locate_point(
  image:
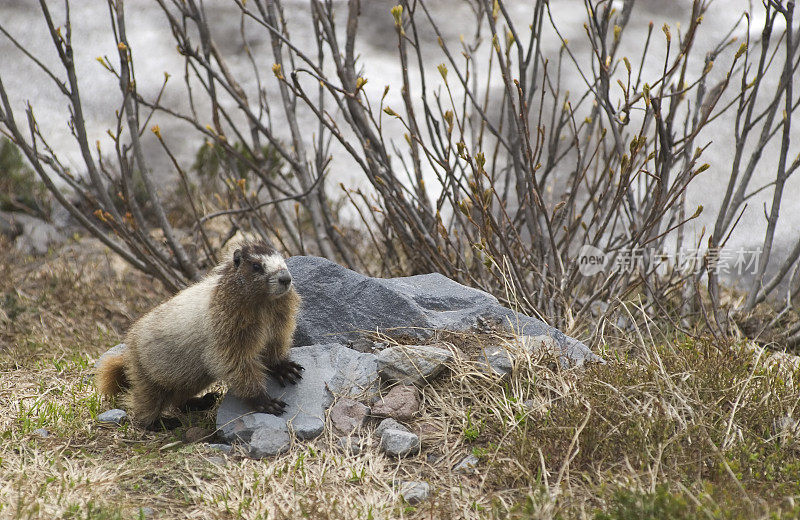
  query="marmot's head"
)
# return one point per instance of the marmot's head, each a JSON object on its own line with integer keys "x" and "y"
{"x": 262, "y": 269}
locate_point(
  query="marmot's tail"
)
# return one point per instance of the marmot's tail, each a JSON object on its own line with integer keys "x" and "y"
{"x": 110, "y": 376}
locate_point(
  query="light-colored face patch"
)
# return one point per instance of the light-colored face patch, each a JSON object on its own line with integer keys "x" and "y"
{"x": 272, "y": 263}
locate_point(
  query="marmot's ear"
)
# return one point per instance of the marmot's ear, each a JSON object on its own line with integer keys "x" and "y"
{"x": 237, "y": 257}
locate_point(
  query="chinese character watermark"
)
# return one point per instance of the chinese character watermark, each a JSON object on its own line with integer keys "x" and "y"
{"x": 593, "y": 260}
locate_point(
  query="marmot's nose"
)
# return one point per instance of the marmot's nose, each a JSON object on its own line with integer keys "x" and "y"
{"x": 284, "y": 278}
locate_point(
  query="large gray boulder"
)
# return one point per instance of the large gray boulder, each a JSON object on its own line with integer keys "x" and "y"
{"x": 340, "y": 305}
{"x": 329, "y": 369}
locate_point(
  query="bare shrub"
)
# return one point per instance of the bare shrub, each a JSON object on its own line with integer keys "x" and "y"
{"x": 501, "y": 177}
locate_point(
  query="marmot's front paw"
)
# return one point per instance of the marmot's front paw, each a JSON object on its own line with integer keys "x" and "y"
{"x": 287, "y": 372}
{"x": 270, "y": 405}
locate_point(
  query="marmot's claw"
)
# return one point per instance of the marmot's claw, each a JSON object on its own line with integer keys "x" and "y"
{"x": 272, "y": 406}
{"x": 287, "y": 372}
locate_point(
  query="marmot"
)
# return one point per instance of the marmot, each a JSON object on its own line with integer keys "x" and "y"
{"x": 235, "y": 325}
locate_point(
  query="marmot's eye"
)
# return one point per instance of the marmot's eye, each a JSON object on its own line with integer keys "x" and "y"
{"x": 258, "y": 268}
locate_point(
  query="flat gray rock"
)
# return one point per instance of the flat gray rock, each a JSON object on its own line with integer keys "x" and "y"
{"x": 113, "y": 416}
{"x": 270, "y": 439}
{"x": 412, "y": 364}
{"x": 414, "y": 492}
{"x": 339, "y": 305}
{"x": 328, "y": 369}
{"x": 397, "y": 443}
{"x": 41, "y": 432}
{"x": 224, "y": 448}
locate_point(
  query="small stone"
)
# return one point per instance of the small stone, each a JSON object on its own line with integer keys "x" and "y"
{"x": 243, "y": 427}
{"x": 351, "y": 445}
{"x": 433, "y": 457}
{"x": 348, "y": 414}
{"x": 114, "y": 416}
{"x": 224, "y": 448}
{"x": 217, "y": 461}
{"x": 414, "y": 492}
{"x": 397, "y": 443}
{"x": 389, "y": 424}
{"x": 146, "y": 512}
{"x": 196, "y": 434}
{"x": 306, "y": 427}
{"x": 412, "y": 364}
{"x": 624, "y": 323}
{"x": 467, "y": 464}
{"x": 266, "y": 442}
{"x": 41, "y": 432}
{"x": 402, "y": 402}
{"x": 598, "y": 308}
{"x": 497, "y": 360}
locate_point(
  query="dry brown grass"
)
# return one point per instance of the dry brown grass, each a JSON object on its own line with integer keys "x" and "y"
{"x": 683, "y": 429}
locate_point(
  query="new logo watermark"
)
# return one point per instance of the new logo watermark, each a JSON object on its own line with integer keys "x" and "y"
{"x": 593, "y": 260}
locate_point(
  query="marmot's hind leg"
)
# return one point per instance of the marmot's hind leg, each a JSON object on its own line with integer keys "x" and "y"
{"x": 286, "y": 371}
{"x": 146, "y": 402}
{"x": 165, "y": 423}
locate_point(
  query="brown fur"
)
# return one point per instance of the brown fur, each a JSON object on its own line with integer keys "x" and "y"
{"x": 111, "y": 379}
{"x": 230, "y": 326}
